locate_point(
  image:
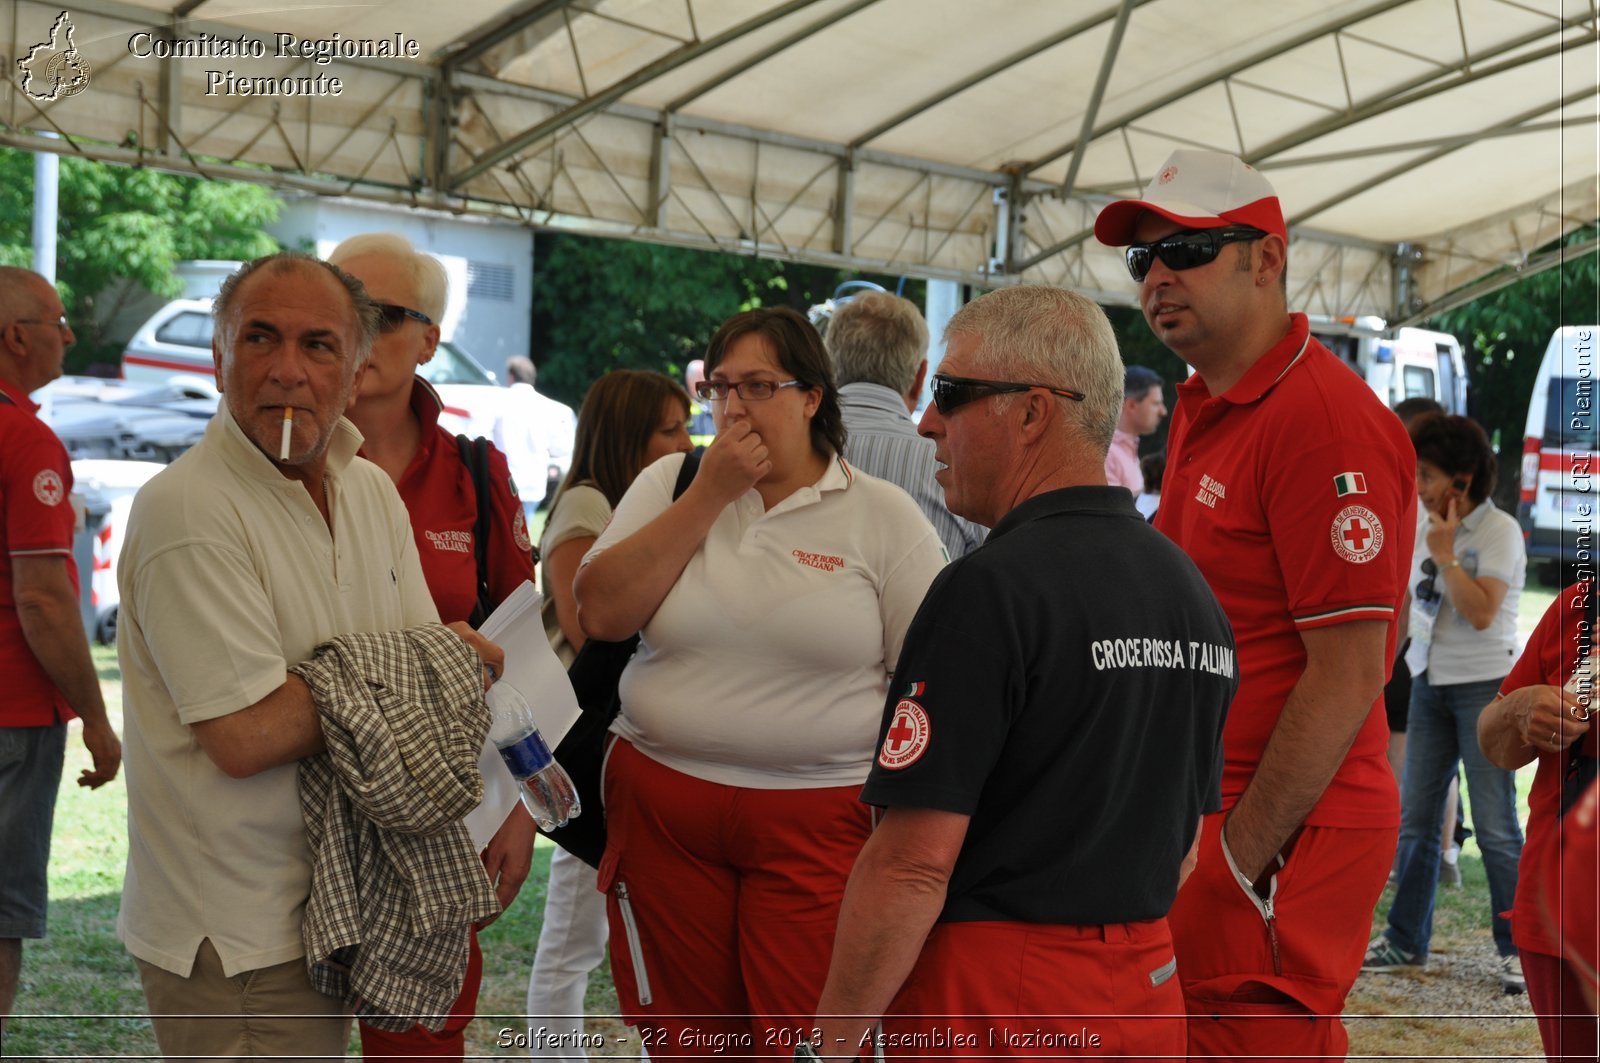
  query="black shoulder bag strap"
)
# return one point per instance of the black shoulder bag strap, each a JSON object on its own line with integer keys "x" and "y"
{"x": 475, "y": 456}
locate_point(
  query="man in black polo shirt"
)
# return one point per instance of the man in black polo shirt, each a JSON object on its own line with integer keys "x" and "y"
{"x": 1053, "y": 735}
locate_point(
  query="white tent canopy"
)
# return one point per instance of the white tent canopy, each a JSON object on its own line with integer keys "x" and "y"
{"x": 1417, "y": 145}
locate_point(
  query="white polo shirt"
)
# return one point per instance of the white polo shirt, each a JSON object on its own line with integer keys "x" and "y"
{"x": 768, "y": 662}
{"x": 1489, "y": 544}
{"x": 228, "y": 576}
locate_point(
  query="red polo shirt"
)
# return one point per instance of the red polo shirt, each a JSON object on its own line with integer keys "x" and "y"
{"x": 443, "y": 503}
{"x": 1294, "y": 492}
{"x": 1550, "y": 658}
{"x": 36, "y": 520}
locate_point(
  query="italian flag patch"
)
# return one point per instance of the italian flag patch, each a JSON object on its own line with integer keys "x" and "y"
{"x": 1350, "y": 483}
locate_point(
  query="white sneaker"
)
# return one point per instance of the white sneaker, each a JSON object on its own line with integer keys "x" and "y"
{"x": 1511, "y": 980}
{"x": 1450, "y": 867}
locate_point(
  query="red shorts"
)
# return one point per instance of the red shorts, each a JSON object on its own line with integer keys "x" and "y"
{"x": 1036, "y": 991}
{"x": 723, "y": 903}
{"x": 1566, "y": 1025}
{"x": 1290, "y": 979}
{"x": 419, "y": 1042}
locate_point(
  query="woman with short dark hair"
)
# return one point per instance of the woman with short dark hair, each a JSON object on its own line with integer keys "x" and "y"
{"x": 772, "y": 598}
{"x": 1468, "y": 572}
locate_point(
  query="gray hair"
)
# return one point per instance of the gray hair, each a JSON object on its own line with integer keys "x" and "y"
{"x": 520, "y": 370}
{"x": 368, "y": 316}
{"x": 1039, "y": 335}
{"x": 877, "y": 338}
{"x": 426, "y": 273}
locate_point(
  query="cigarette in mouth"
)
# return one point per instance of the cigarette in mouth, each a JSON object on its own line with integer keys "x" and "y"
{"x": 288, "y": 429}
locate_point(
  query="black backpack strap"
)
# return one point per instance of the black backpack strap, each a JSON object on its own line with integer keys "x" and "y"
{"x": 475, "y": 456}
{"x": 691, "y": 465}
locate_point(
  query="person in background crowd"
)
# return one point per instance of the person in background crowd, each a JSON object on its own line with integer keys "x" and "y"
{"x": 1544, "y": 712}
{"x": 1023, "y": 869}
{"x": 702, "y": 426}
{"x": 44, "y": 653}
{"x": 1143, "y": 407}
{"x": 1152, "y": 467}
{"x": 1397, "y": 692}
{"x": 879, "y": 346}
{"x": 398, "y": 416}
{"x": 1307, "y": 547}
{"x": 535, "y": 432}
{"x": 1469, "y": 570}
{"x": 772, "y": 598}
{"x": 629, "y": 420}
{"x": 239, "y": 562}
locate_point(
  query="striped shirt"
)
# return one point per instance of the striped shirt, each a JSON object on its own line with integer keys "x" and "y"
{"x": 883, "y": 442}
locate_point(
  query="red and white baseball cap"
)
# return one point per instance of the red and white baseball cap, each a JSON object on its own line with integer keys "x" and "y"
{"x": 1198, "y": 190}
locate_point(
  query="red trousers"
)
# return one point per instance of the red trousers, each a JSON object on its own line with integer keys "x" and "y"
{"x": 723, "y": 903}
{"x": 1275, "y": 991}
{"x": 1032, "y": 991}
{"x": 1566, "y": 1025}
{"x": 419, "y": 1042}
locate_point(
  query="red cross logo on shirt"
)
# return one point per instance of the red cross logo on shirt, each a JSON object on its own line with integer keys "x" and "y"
{"x": 48, "y": 488}
{"x": 900, "y": 735}
{"x": 1357, "y": 534}
{"x": 907, "y": 737}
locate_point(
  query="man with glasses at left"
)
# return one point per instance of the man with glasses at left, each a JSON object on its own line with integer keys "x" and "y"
{"x": 44, "y": 653}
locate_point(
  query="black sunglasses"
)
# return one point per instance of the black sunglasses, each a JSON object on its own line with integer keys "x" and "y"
{"x": 393, "y": 316}
{"x": 1426, "y": 591}
{"x": 952, "y": 392}
{"x": 1186, "y": 250}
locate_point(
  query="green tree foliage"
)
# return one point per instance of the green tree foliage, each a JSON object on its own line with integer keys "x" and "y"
{"x": 122, "y": 229}
{"x": 1504, "y": 335}
{"x": 602, "y": 304}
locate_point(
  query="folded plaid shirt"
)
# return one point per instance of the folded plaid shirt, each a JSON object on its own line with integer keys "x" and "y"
{"x": 396, "y": 882}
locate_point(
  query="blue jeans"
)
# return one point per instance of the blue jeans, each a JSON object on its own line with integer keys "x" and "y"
{"x": 1442, "y": 729}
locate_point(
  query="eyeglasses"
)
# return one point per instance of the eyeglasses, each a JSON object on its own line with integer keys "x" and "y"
{"x": 393, "y": 316}
{"x": 952, "y": 392}
{"x": 748, "y": 390}
{"x": 59, "y": 322}
{"x": 1186, "y": 250}
{"x": 1425, "y": 587}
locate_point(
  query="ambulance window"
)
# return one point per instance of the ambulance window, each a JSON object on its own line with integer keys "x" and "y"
{"x": 1418, "y": 381}
{"x": 188, "y": 329}
{"x": 1569, "y": 413}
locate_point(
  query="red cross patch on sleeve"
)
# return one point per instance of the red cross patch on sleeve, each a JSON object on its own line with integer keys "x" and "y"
{"x": 907, "y": 737}
{"x": 1357, "y": 534}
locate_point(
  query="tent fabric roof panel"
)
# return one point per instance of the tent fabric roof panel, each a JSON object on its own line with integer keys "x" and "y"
{"x": 926, "y": 136}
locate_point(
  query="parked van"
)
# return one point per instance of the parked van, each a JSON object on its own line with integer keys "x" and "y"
{"x": 1558, "y": 507}
{"x": 1406, "y": 363}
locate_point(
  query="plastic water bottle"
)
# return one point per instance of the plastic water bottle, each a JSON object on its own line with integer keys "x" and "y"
{"x": 547, "y": 791}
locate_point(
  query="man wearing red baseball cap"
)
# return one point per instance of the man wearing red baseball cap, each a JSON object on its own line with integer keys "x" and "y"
{"x": 1292, "y": 489}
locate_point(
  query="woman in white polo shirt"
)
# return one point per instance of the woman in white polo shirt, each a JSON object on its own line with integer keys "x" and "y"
{"x": 1467, "y": 573}
{"x": 772, "y": 598}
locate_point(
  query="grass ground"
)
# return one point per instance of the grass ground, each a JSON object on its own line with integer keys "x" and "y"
{"x": 80, "y": 996}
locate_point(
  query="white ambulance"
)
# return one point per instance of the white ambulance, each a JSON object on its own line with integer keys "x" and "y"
{"x": 1403, "y": 363}
{"x": 1559, "y": 503}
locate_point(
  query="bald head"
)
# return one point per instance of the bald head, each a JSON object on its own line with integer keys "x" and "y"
{"x": 33, "y": 338}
